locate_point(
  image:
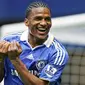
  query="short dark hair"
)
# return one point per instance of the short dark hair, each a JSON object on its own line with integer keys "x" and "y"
{"x": 35, "y": 5}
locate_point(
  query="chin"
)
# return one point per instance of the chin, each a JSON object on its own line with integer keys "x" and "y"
{"x": 42, "y": 37}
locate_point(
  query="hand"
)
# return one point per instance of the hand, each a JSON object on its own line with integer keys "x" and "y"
{"x": 14, "y": 50}
{"x": 3, "y": 49}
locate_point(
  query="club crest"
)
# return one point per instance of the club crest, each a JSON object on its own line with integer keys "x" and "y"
{"x": 40, "y": 64}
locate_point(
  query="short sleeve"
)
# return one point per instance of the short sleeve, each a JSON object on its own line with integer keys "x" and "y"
{"x": 53, "y": 70}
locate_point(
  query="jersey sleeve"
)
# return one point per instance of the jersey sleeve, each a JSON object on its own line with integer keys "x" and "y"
{"x": 53, "y": 70}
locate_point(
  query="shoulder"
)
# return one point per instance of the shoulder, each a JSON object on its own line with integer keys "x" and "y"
{"x": 13, "y": 36}
{"x": 58, "y": 51}
{"x": 56, "y": 44}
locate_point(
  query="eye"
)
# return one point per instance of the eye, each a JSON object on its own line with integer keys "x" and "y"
{"x": 48, "y": 19}
{"x": 38, "y": 18}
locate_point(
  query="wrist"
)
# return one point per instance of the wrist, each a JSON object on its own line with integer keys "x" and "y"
{"x": 18, "y": 62}
{"x": 13, "y": 58}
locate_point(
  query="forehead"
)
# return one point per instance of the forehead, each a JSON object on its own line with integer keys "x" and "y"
{"x": 40, "y": 11}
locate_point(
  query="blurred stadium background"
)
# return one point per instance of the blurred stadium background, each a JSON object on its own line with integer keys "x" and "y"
{"x": 68, "y": 18}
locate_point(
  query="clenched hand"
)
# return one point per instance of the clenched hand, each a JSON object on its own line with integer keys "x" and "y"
{"x": 3, "y": 49}
{"x": 14, "y": 50}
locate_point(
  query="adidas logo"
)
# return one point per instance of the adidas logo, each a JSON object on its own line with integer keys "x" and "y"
{"x": 30, "y": 57}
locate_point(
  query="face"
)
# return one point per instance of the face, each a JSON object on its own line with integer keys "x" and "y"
{"x": 39, "y": 22}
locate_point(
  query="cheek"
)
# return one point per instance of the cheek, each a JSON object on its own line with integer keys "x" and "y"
{"x": 32, "y": 27}
{"x": 33, "y": 30}
{"x": 49, "y": 26}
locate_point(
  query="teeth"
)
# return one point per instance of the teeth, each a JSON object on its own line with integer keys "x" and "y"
{"x": 41, "y": 29}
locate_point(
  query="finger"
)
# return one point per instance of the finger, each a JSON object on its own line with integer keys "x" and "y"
{"x": 4, "y": 47}
{"x": 12, "y": 50}
{"x": 7, "y": 44}
{"x": 14, "y": 46}
{"x": 9, "y": 48}
{"x": 9, "y": 51}
{"x": 19, "y": 47}
{"x": 2, "y": 43}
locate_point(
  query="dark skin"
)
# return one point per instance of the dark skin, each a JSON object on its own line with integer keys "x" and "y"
{"x": 3, "y": 52}
{"x": 39, "y": 23}
{"x": 38, "y": 18}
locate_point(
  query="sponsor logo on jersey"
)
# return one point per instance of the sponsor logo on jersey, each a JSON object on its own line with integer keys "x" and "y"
{"x": 34, "y": 72}
{"x": 14, "y": 72}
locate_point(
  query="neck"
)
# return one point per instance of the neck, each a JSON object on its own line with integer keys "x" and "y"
{"x": 36, "y": 41}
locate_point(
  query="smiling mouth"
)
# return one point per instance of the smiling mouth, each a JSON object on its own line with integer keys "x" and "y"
{"x": 42, "y": 29}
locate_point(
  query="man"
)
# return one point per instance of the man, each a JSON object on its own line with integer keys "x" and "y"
{"x": 33, "y": 57}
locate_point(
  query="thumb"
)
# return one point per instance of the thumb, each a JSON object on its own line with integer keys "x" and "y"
{"x": 19, "y": 47}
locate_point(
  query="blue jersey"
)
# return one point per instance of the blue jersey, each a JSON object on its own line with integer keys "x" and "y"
{"x": 45, "y": 61}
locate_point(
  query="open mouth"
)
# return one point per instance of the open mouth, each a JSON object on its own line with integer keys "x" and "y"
{"x": 42, "y": 29}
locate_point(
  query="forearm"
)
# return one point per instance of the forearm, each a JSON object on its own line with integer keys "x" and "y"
{"x": 3, "y": 52}
{"x": 26, "y": 76}
{"x": 1, "y": 70}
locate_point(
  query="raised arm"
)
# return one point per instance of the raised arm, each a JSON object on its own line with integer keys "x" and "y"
{"x": 3, "y": 52}
{"x": 26, "y": 77}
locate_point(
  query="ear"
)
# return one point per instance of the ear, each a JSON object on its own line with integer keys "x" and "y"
{"x": 26, "y": 21}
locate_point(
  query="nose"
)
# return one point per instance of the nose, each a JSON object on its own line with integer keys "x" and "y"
{"x": 43, "y": 22}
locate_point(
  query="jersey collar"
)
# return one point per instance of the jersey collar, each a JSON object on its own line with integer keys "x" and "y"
{"x": 48, "y": 42}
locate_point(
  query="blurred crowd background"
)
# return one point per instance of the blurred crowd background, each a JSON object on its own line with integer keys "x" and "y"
{"x": 68, "y": 18}
{"x": 14, "y": 10}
